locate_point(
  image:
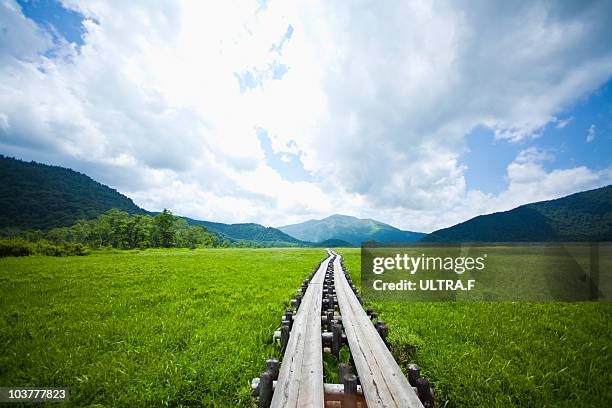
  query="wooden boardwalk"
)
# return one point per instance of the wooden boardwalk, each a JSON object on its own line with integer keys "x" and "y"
{"x": 300, "y": 381}
{"x": 382, "y": 380}
{"x": 330, "y": 298}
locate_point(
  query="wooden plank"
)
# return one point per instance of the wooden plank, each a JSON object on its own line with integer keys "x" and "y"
{"x": 382, "y": 380}
{"x": 300, "y": 381}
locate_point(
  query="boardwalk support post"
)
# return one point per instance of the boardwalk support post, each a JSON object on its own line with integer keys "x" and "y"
{"x": 284, "y": 337}
{"x": 344, "y": 369}
{"x": 273, "y": 367}
{"x": 414, "y": 373}
{"x": 336, "y": 339}
{"x": 289, "y": 317}
{"x": 383, "y": 332}
{"x": 378, "y": 324}
{"x": 350, "y": 391}
{"x": 424, "y": 391}
{"x": 265, "y": 389}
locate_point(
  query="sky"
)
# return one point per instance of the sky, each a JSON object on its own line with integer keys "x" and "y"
{"x": 421, "y": 114}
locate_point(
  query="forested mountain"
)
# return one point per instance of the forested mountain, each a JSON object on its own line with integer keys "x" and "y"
{"x": 39, "y": 196}
{"x": 36, "y": 196}
{"x": 585, "y": 216}
{"x": 334, "y": 243}
{"x": 250, "y": 231}
{"x": 350, "y": 229}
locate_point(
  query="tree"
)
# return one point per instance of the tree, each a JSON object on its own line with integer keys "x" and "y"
{"x": 82, "y": 231}
{"x": 165, "y": 230}
{"x": 141, "y": 228}
{"x": 119, "y": 234}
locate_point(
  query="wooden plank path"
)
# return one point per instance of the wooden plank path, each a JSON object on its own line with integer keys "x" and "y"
{"x": 330, "y": 298}
{"x": 300, "y": 381}
{"x": 382, "y": 380}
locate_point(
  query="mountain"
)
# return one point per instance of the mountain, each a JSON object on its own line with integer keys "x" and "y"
{"x": 250, "y": 232}
{"x": 350, "y": 229}
{"x": 333, "y": 243}
{"x": 39, "y": 196}
{"x": 585, "y": 216}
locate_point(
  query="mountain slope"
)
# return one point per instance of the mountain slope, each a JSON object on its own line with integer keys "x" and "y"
{"x": 585, "y": 216}
{"x": 333, "y": 243}
{"x": 250, "y": 232}
{"x": 350, "y": 229}
{"x": 38, "y": 196}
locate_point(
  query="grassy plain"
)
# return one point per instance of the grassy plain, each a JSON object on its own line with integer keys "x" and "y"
{"x": 503, "y": 354}
{"x": 147, "y": 328}
{"x": 179, "y": 327}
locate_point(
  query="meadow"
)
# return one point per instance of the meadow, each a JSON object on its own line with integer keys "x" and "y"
{"x": 151, "y": 328}
{"x": 504, "y": 354}
{"x": 193, "y": 327}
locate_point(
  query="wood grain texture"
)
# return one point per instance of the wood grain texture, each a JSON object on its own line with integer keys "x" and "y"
{"x": 300, "y": 381}
{"x": 382, "y": 380}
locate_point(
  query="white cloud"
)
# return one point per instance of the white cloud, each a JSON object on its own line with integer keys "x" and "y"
{"x": 529, "y": 181}
{"x": 591, "y": 133}
{"x": 561, "y": 123}
{"x": 375, "y": 102}
{"x": 4, "y": 123}
{"x": 21, "y": 38}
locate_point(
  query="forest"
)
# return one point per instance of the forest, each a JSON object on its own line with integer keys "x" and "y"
{"x": 113, "y": 229}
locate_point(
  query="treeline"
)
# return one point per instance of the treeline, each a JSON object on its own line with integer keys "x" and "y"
{"x": 120, "y": 230}
{"x": 114, "y": 229}
{"x": 21, "y": 247}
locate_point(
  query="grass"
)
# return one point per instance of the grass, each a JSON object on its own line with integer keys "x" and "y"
{"x": 151, "y": 328}
{"x": 488, "y": 354}
{"x": 180, "y": 327}
{"x": 533, "y": 273}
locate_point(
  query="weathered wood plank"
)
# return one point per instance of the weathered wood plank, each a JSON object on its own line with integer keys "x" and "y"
{"x": 300, "y": 381}
{"x": 382, "y": 380}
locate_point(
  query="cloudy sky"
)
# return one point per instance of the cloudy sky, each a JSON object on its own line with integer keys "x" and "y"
{"x": 416, "y": 113}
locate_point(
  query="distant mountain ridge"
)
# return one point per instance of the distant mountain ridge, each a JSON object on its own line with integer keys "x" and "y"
{"x": 40, "y": 196}
{"x": 584, "y": 216}
{"x": 250, "y": 232}
{"x": 334, "y": 243}
{"x": 350, "y": 229}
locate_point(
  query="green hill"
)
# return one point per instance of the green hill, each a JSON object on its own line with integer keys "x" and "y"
{"x": 350, "y": 229}
{"x": 334, "y": 243}
{"x": 267, "y": 236}
{"x": 585, "y": 216}
{"x": 38, "y": 196}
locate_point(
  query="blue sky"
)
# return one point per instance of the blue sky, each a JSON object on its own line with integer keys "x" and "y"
{"x": 55, "y": 19}
{"x": 419, "y": 114}
{"x": 487, "y": 158}
{"x": 286, "y": 164}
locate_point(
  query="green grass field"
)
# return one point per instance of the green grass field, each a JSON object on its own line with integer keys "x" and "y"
{"x": 171, "y": 327}
{"x": 148, "y": 328}
{"x": 504, "y": 354}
